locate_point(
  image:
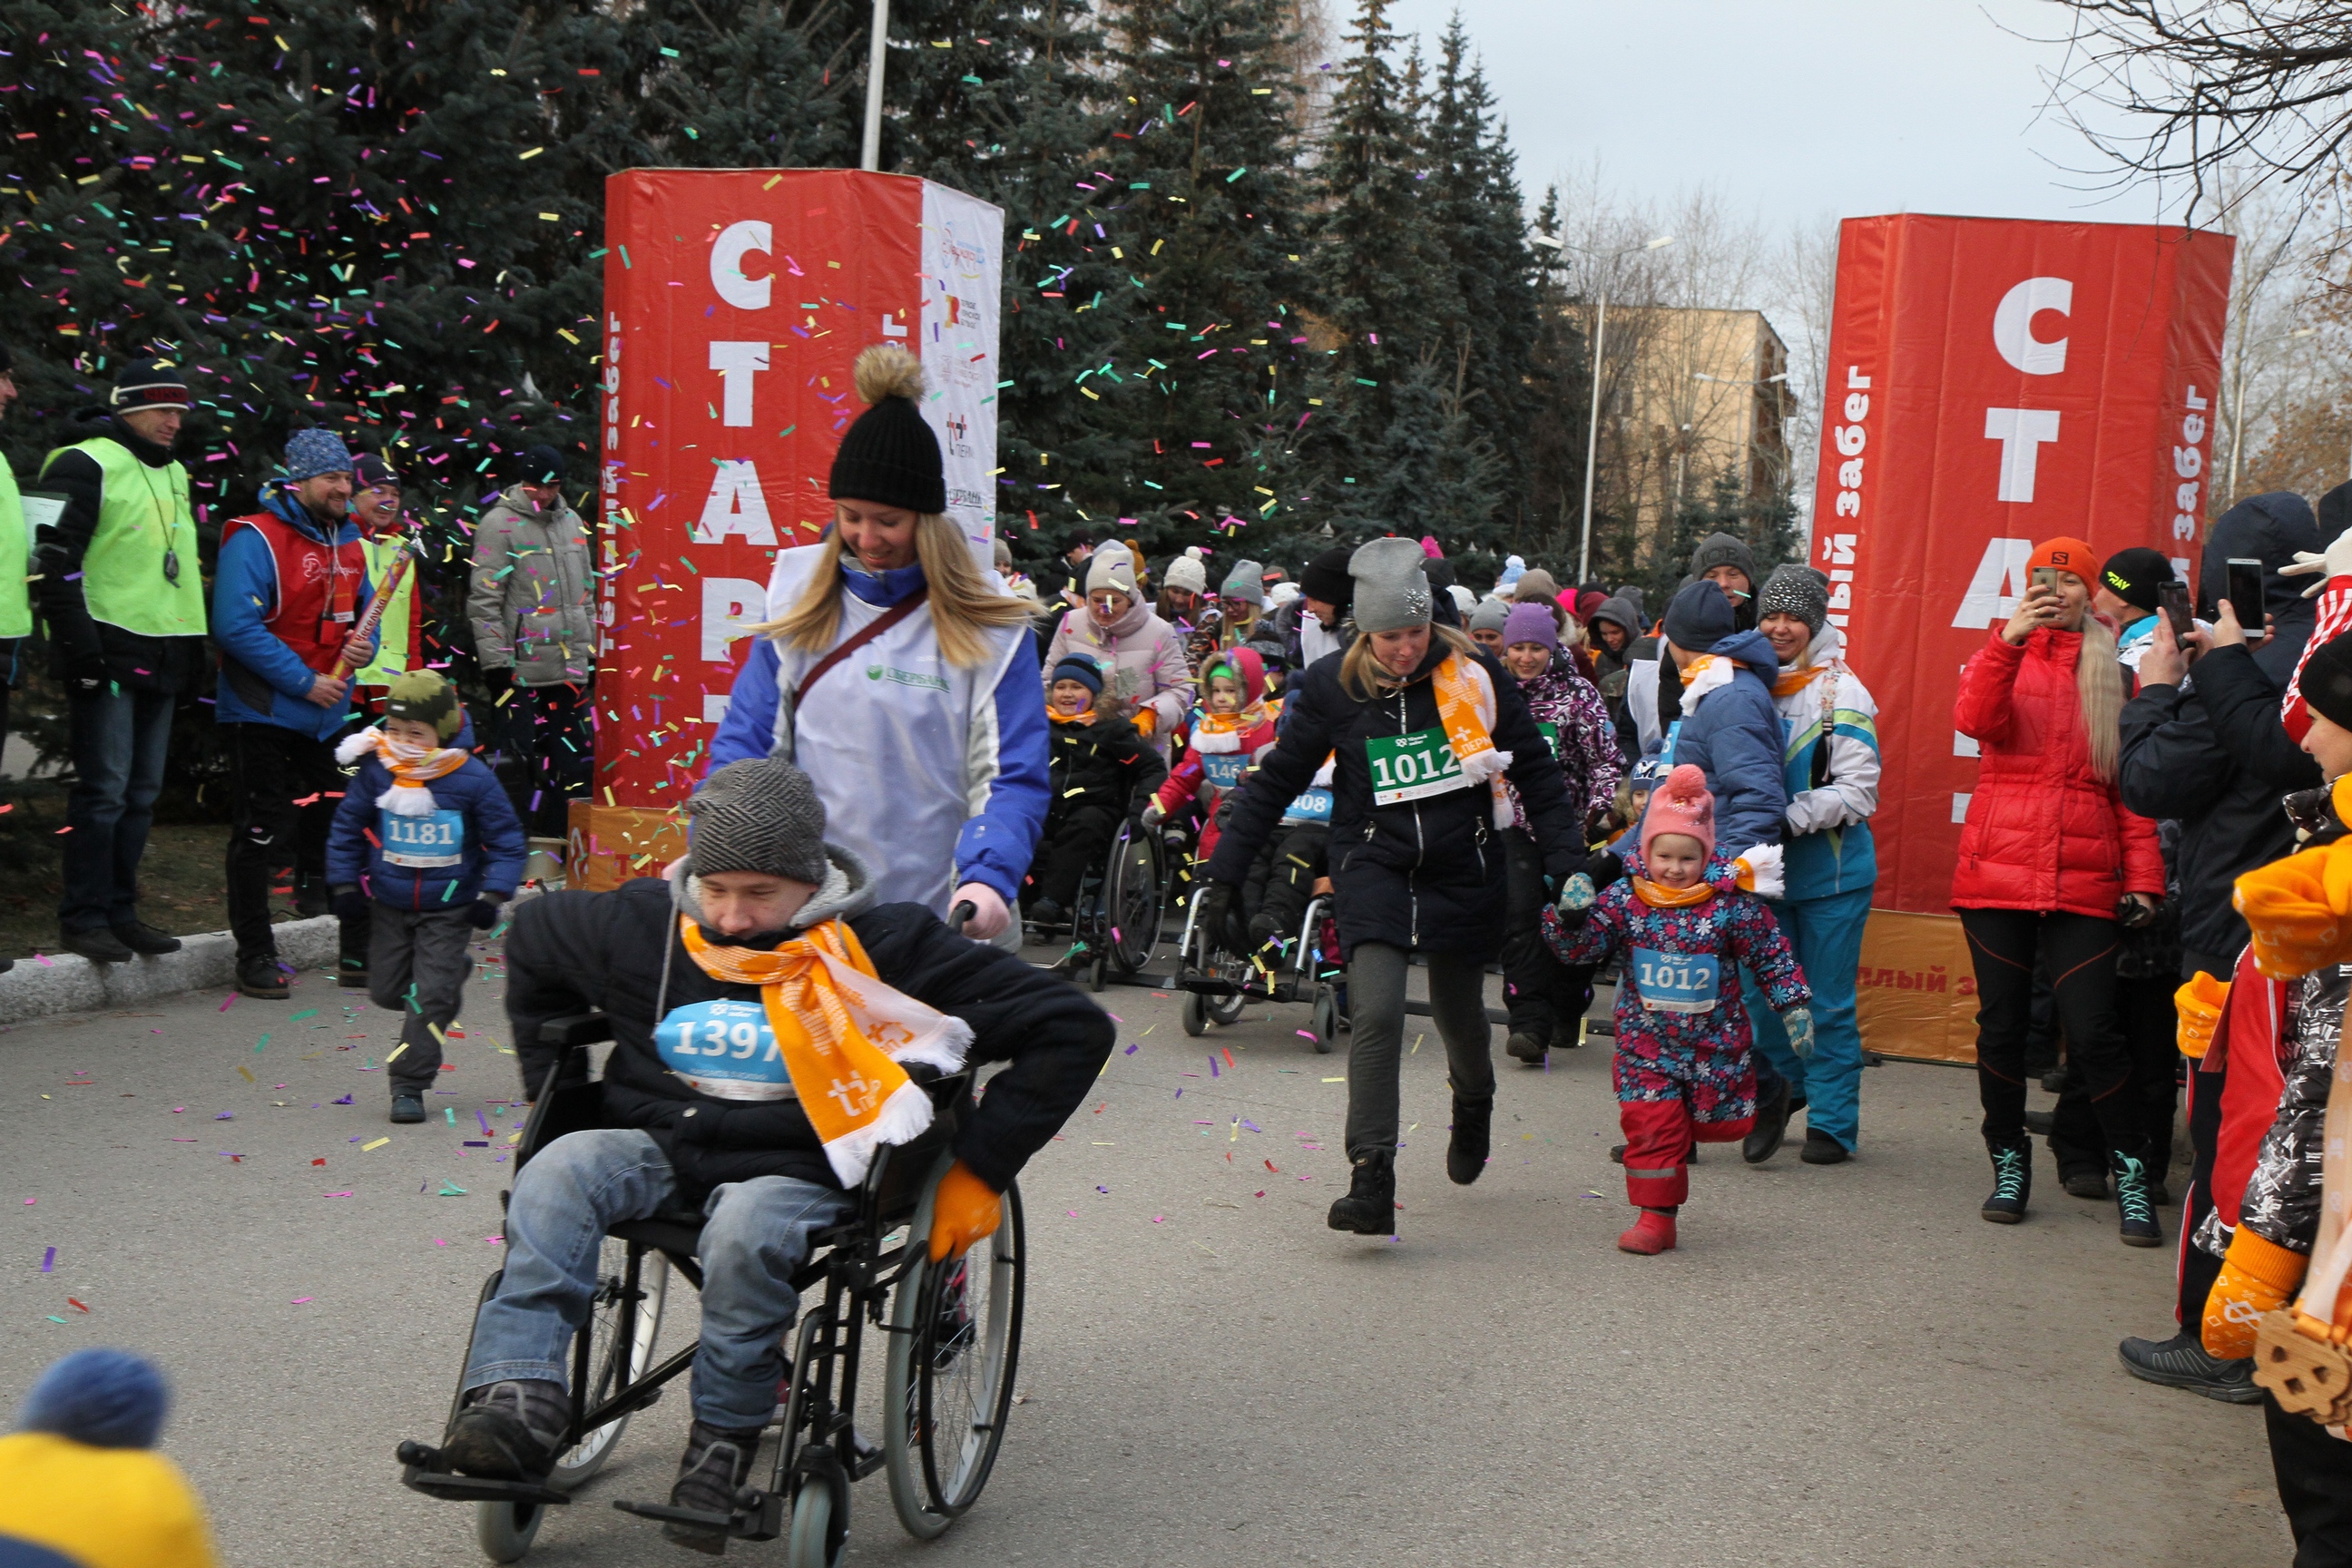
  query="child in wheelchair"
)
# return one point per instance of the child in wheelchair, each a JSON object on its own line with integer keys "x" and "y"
{"x": 1100, "y": 766}
{"x": 772, "y": 1029}
{"x": 1224, "y": 739}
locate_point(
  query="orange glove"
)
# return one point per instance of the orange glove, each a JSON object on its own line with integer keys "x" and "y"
{"x": 2297, "y": 909}
{"x": 1147, "y": 719}
{"x": 963, "y": 1210}
{"x": 2257, "y": 1277}
{"x": 2198, "y": 1004}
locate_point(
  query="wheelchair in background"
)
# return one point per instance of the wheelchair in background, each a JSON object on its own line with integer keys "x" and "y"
{"x": 1118, "y": 915}
{"x": 1220, "y": 981}
{"x": 951, "y": 1350}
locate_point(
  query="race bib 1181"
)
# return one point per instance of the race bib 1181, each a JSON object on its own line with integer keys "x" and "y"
{"x": 1677, "y": 981}
{"x": 1413, "y": 767}
{"x": 423, "y": 841}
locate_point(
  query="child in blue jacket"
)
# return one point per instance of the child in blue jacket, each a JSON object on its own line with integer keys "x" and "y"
{"x": 1683, "y": 1069}
{"x": 427, "y": 842}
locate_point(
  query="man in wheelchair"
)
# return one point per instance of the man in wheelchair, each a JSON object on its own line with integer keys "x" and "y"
{"x": 766, "y": 1016}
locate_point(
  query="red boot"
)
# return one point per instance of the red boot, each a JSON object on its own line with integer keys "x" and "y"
{"x": 1652, "y": 1233}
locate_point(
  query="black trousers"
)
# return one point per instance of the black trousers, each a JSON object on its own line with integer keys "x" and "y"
{"x": 2145, "y": 1012}
{"x": 2315, "y": 1486}
{"x": 1543, "y": 995}
{"x": 1281, "y": 880}
{"x": 281, "y": 785}
{"x": 548, "y": 729}
{"x": 1073, "y": 839}
{"x": 2081, "y": 950}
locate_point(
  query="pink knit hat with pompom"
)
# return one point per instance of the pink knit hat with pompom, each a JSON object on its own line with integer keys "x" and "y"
{"x": 1682, "y": 804}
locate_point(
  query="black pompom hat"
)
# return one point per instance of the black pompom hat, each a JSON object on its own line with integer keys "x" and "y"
{"x": 890, "y": 455}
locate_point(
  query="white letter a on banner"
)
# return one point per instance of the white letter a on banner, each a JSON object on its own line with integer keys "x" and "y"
{"x": 736, "y": 506}
{"x": 1999, "y": 583}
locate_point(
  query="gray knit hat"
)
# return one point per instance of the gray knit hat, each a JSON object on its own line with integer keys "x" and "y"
{"x": 1795, "y": 590}
{"x": 1392, "y": 589}
{"x": 1245, "y": 582}
{"x": 1723, "y": 550}
{"x": 1490, "y": 615}
{"x": 758, "y": 814}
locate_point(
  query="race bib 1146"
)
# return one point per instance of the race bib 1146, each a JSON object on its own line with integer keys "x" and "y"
{"x": 1677, "y": 981}
{"x": 1412, "y": 766}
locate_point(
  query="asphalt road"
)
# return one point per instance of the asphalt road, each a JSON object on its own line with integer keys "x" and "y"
{"x": 1841, "y": 1365}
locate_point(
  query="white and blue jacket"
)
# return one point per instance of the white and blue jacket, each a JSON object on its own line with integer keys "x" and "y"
{"x": 1831, "y": 729}
{"x": 933, "y": 773}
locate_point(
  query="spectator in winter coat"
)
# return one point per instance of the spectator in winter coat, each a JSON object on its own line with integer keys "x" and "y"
{"x": 124, "y": 595}
{"x": 1101, "y": 771}
{"x": 2049, "y": 852}
{"x": 766, "y": 931}
{"x": 1731, "y": 565}
{"x": 2128, "y": 594}
{"x": 935, "y": 766}
{"x": 1146, "y": 678}
{"x": 1421, "y": 725}
{"x": 1545, "y": 999}
{"x": 533, "y": 601}
{"x": 1485, "y": 626}
{"x": 2214, "y": 755}
{"x": 1183, "y": 600}
{"x": 1314, "y": 625}
{"x": 1614, "y": 629}
{"x": 1829, "y": 861}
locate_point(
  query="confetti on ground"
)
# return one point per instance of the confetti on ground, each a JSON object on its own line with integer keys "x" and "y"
{"x": 48, "y": 1260}
{"x": 377, "y": 1144}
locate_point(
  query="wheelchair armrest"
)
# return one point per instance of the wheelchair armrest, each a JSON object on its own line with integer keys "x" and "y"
{"x": 576, "y": 1029}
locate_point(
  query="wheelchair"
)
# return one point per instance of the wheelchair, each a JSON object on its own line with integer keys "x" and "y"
{"x": 1119, "y": 907}
{"x": 1219, "y": 983}
{"x": 952, "y": 1347}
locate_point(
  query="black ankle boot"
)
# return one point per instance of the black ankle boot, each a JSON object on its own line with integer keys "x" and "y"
{"x": 1465, "y": 1153}
{"x": 2135, "y": 1206}
{"x": 2012, "y": 1183}
{"x": 1370, "y": 1207}
{"x": 509, "y": 1431}
{"x": 716, "y": 1463}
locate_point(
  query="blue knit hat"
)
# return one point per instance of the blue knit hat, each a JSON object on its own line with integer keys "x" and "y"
{"x": 1077, "y": 666}
{"x": 106, "y": 1398}
{"x": 310, "y": 453}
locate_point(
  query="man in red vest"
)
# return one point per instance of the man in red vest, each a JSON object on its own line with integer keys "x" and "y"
{"x": 291, "y": 585}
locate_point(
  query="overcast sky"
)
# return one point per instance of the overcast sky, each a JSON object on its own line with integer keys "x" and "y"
{"x": 1796, "y": 108}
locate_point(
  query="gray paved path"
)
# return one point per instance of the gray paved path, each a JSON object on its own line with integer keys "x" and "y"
{"x": 1841, "y": 1366}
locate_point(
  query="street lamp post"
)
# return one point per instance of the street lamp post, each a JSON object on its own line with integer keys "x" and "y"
{"x": 1599, "y": 338}
{"x": 877, "y": 50}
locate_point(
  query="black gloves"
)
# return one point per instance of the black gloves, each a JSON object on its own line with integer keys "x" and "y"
{"x": 484, "y": 914}
{"x": 348, "y": 903}
{"x": 86, "y": 670}
{"x": 1217, "y": 912}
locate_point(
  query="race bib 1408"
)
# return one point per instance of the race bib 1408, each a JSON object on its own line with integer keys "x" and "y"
{"x": 423, "y": 841}
{"x": 1413, "y": 767}
{"x": 1677, "y": 981}
{"x": 724, "y": 1049}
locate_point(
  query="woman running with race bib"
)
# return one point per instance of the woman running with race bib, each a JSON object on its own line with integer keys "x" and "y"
{"x": 1423, "y": 730}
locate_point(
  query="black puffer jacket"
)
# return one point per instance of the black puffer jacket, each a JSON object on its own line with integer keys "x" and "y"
{"x": 1105, "y": 762}
{"x": 573, "y": 950}
{"x": 1425, "y": 874}
{"x": 2212, "y": 754}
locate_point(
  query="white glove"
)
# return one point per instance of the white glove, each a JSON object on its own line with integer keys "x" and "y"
{"x": 2336, "y": 563}
{"x": 989, "y": 916}
{"x": 1154, "y": 814}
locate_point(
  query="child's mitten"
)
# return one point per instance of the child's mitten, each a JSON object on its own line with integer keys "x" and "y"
{"x": 1798, "y": 1023}
{"x": 1154, "y": 814}
{"x": 1576, "y": 896}
{"x": 348, "y": 903}
{"x": 2257, "y": 1277}
{"x": 484, "y": 914}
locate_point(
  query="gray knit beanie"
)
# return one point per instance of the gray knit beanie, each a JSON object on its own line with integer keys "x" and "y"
{"x": 1795, "y": 590}
{"x": 1245, "y": 582}
{"x": 1723, "y": 550}
{"x": 758, "y": 814}
{"x": 1392, "y": 589}
{"x": 1490, "y": 615}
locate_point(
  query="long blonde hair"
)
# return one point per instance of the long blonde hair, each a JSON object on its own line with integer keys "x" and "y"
{"x": 1362, "y": 676}
{"x": 2099, "y": 684}
{"x": 962, "y": 605}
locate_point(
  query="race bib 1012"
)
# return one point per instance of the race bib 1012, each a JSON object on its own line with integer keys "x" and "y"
{"x": 1412, "y": 766}
{"x": 1677, "y": 981}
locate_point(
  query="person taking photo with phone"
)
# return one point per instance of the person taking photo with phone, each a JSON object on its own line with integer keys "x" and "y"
{"x": 2049, "y": 854}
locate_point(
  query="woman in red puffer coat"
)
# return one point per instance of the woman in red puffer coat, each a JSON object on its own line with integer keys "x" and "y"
{"x": 2049, "y": 862}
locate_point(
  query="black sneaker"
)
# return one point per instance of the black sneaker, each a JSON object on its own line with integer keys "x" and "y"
{"x": 1822, "y": 1149}
{"x": 2135, "y": 1211}
{"x": 509, "y": 1431}
{"x": 1370, "y": 1207}
{"x": 1771, "y": 1126}
{"x": 407, "y": 1106}
{"x": 2012, "y": 1183}
{"x": 141, "y": 938}
{"x": 2181, "y": 1361}
{"x": 98, "y": 945}
{"x": 716, "y": 1463}
{"x": 1526, "y": 1048}
{"x": 1465, "y": 1151}
{"x": 259, "y": 976}
{"x": 352, "y": 973}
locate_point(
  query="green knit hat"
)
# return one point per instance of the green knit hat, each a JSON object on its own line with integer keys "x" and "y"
{"x": 424, "y": 697}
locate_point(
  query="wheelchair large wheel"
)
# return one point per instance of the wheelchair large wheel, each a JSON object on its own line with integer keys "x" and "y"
{"x": 954, "y": 1350}
{"x": 1131, "y": 899}
{"x": 613, "y": 1363}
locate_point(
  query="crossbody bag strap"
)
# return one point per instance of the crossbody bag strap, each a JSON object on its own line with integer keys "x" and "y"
{"x": 880, "y": 623}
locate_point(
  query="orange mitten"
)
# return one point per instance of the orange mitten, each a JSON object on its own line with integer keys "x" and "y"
{"x": 2296, "y": 909}
{"x": 963, "y": 1210}
{"x": 2257, "y": 1276}
{"x": 1147, "y": 719}
{"x": 2198, "y": 1004}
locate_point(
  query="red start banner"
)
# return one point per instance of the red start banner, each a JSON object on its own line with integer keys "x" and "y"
{"x": 735, "y": 302}
{"x": 1992, "y": 384}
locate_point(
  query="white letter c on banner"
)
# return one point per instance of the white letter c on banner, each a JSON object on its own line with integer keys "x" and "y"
{"x": 727, "y": 253}
{"x": 2012, "y": 325}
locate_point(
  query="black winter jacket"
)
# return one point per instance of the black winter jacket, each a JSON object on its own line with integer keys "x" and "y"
{"x": 1426, "y": 875}
{"x": 1106, "y": 760}
{"x": 78, "y": 646}
{"x": 571, "y": 952}
{"x": 2213, "y": 754}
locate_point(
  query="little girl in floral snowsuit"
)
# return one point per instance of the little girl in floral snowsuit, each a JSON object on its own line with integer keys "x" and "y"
{"x": 1682, "y": 1069}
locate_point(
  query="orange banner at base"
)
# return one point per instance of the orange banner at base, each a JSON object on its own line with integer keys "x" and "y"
{"x": 1993, "y": 383}
{"x": 1916, "y": 991}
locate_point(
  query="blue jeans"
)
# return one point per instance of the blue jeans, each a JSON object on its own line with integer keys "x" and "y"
{"x": 117, "y": 741}
{"x": 1827, "y": 936}
{"x": 755, "y": 1234}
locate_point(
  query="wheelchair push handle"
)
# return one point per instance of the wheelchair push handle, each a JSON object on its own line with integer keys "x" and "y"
{"x": 957, "y": 916}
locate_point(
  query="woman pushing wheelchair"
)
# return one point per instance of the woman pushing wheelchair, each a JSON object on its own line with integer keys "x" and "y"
{"x": 772, "y": 1027}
